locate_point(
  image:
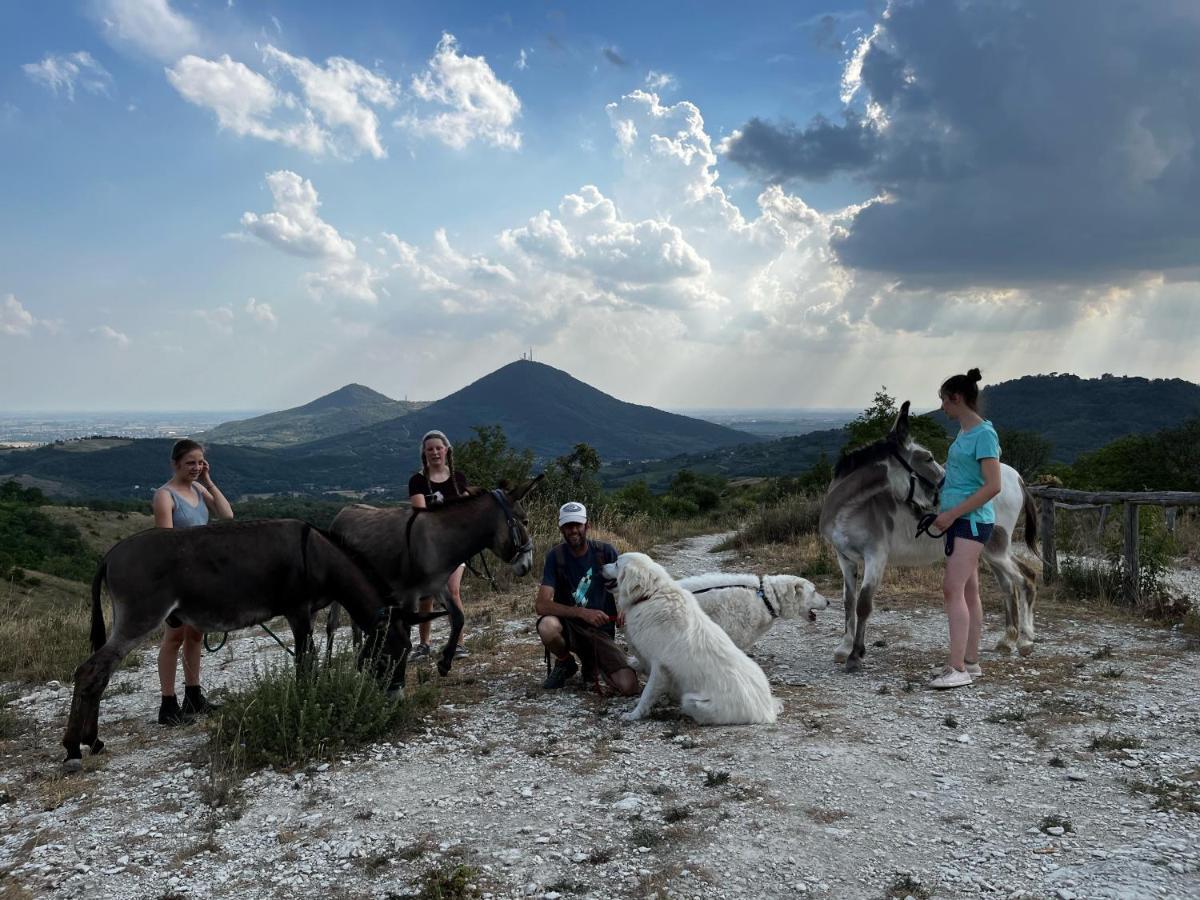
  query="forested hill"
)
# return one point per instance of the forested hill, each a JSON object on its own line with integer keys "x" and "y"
{"x": 1078, "y": 415}
{"x": 346, "y": 409}
{"x": 545, "y": 410}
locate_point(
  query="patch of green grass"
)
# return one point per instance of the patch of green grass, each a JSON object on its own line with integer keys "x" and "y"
{"x": 1104, "y": 652}
{"x": 283, "y": 720}
{"x": 449, "y": 881}
{"x": 779, "y": 523}
{"x": 1107, "y": 742}
{"x": 1054, "y": 820}
{"x": 1171, "y": 795}
{"x": 646, "y": 836}
{"x": 1018, "y": 714}
{"x": 715, "y": 779}
{"x": 905, "y": 885}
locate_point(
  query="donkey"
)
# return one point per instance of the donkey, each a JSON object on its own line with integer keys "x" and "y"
{"x": 416, "y": 550}
{"x": 222, "y": 578}
{"x": 871, "y": 515}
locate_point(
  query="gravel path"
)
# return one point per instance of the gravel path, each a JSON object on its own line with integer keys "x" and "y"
{"x": 1030, "y": 784}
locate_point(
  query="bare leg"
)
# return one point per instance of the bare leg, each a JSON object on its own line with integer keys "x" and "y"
{"x": 426, "y": 605}
{"x": 193, "y": 645}
{"x": 975, "y": 611}
{"x": 454, "y": 586}
{"x": 961, "y": 567}
{"x": 550, "y": 630}
{"x": 168, "y": 658}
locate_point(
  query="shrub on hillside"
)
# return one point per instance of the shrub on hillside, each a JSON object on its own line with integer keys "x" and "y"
{"x": 283, "y": 720}
{"x": 780, "y": 523}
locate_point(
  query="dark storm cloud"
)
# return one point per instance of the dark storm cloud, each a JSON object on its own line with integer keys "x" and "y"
{"x": 1017, "y": 142}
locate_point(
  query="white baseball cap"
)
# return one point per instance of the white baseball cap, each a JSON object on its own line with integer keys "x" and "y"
{"x": 572, "y": 512}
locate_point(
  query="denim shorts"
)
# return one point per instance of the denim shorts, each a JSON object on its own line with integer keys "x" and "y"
{"x": 962, "y": 529}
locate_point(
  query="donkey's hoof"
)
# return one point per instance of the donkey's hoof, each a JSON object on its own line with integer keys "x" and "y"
{"x": 443, "y": 667}
{"x": 854, "y": 665}
{"x": 1003, "y": 646}
{"x": 1025, "y": 648}
{"x": 97, "y": 747}
{"x": 72, "y": 764}
{"x": 840, "y": 655}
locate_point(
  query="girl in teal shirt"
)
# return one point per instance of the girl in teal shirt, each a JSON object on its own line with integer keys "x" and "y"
{"x": 972, "y": 480}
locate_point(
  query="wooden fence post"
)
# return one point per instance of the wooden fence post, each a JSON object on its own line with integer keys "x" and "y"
{"x": 1132, "y": 563}
{"x": 1049, "y": 556}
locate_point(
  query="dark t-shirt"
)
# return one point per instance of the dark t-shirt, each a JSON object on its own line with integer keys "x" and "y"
{"x": 436, "y": 491}
{"x": 575, "y": 568}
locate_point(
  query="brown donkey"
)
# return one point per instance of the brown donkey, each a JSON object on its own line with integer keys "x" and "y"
{"x": 222, "y": 578}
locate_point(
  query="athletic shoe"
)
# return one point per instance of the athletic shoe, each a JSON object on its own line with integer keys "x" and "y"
{"x": 169, "y": 713}
{"x": 419, "y": 652}
{"x": 974, "y": 670}
{"x": 950, "y": 678}
{"x": 563, "y": 669}
{"x": 461, "y": 651}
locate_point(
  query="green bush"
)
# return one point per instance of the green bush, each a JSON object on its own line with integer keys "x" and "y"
{"x": 779, "y": 523}
{"x": 283, "y": 720}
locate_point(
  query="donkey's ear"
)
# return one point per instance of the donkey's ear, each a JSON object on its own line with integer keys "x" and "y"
{"x": 519, "y": 494}
{"x": 899, "y": 431}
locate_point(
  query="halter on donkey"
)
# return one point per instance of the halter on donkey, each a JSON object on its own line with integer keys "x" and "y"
{"x": 415, "y": 551}
{"x": 878, "y": 509}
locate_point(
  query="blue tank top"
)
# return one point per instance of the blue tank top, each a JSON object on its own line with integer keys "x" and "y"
{"x": 183, "y": 515}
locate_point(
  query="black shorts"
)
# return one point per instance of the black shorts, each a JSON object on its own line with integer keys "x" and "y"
{"x": 962, "y": 529}
{"x": 595, "y": 648}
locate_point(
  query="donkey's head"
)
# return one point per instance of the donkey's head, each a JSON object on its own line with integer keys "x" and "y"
{"x": 914, "y": 473}
{"x": 514, "y": 543}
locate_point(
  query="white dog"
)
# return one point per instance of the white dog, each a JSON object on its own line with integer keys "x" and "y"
{"x": 690, "y": 657}
{"x": 746, "y": 606}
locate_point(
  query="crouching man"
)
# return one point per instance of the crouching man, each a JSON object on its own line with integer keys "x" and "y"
{"x": 576, "y": 611}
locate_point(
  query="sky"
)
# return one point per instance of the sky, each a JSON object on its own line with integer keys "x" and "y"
{"x": 239, "y": 204}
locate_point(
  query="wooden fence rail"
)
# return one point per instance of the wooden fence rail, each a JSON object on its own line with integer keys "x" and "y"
{"x": 1062, "y": 498}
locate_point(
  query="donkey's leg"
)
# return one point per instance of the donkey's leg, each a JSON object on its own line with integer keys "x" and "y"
{"x": 1026, "y": 590}
{"x": 302, "y": 632}
{"x": 332, "y": 621}
{"x": 849, "y": 601}
{"x": 872, "y": 577}
{"x": 91, "y": 678}
{"x": 456, "y": 626}
{"x": 1008, "y": 590}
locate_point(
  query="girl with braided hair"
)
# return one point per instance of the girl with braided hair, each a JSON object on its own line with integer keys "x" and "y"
{"x": 432, "y": 486}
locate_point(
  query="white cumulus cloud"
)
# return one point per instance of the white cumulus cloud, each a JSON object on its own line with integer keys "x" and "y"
{"x": 66, "y": 71}
{"x": 661, "y": 81}
{"x": 15, "y": 319}
{"x": 261, "y": 313}
{"x": 480, "y": 106}
{"x": 151, "y": 26}
{"x": 219, "y": 320}
{"x": 245, "y": 102}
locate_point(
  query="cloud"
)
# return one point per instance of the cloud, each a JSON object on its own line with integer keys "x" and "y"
{"x": 522, "y": 62}
{"x": 245, "y": 102}
{"x": 294, "y": 227}
{"x": 150, "y": 26}
{"x": 116, "y": 338}
{"x": 338, "y": 93}
{"x": 15, "y": 319}
{"x": 1030, "y": 144}
{"x": 482, "y": 108}
{"x": 614, "y": 57}
{"x": 66, "y": 71}
{"x": 262, "y": 313}
{"x": 219, "y": 320}
{"x": 661, "y": 81}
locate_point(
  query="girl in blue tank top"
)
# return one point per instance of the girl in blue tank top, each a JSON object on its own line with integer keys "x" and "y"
{"x": 185, "y": 501}
{"x": 966, "y": 518}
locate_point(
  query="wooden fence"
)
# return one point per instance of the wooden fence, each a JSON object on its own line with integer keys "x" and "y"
{"x": 1061, "y": 498}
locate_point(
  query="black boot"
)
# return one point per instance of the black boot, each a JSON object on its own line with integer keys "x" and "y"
{"x": 195, "y": 703}
{"x": 169, "y": 713}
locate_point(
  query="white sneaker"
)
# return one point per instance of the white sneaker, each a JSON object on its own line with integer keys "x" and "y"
{"x": 974, "y": 670}
{"x": 950, "y": 678}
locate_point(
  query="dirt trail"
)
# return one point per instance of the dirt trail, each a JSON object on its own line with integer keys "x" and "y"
{"x": 1025, "y": 785}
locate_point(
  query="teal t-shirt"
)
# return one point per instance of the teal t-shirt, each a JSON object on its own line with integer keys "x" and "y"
{"x": 964, "y": 474}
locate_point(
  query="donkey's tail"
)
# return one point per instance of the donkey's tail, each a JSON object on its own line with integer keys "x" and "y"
{"x": 1031, "y": 521}
{"x": 99, "y": 637}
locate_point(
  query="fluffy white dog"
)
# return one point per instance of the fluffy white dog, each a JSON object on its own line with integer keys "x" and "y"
{"x": 747, "y": 606}
{"x": 689, "y": 656}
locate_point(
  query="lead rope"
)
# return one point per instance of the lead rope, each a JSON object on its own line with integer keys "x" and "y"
{"x": 225, "y": 638}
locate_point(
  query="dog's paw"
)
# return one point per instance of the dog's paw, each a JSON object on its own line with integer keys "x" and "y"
{"x": 631, "y": 716}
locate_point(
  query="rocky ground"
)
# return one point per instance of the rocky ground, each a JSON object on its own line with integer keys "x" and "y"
{"x": 1073, "y": 773}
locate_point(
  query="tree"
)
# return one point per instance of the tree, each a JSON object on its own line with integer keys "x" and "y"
{"x": 1026, "y": 451}
{"x": 487, "y": 459}
{"x": 877, "y": 419}
{"x": 574, "y": 476}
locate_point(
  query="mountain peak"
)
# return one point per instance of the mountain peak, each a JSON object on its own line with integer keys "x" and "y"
{"x": 349, "y": 395}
